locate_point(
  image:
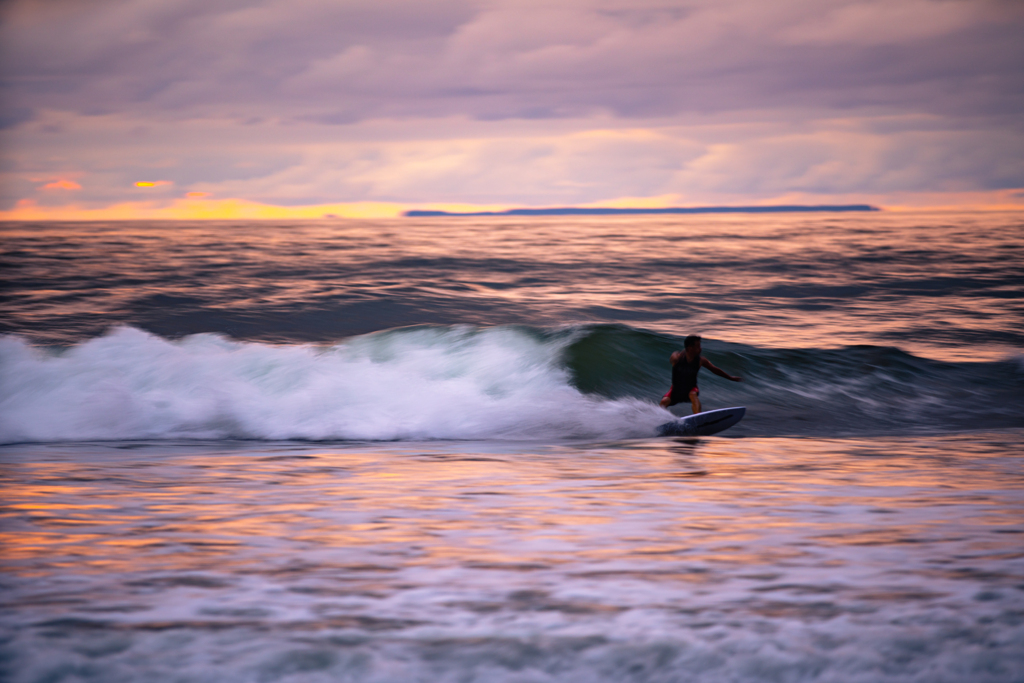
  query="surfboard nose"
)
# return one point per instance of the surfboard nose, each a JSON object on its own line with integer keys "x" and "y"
{"x": 703, "y": 424}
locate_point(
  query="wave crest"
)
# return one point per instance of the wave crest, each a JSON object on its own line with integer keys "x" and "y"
{"x": 420, "y": 383}
{"x": 462, "y": 382}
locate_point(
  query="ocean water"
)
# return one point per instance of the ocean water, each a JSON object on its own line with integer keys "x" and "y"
{"x": 424, "y": 449}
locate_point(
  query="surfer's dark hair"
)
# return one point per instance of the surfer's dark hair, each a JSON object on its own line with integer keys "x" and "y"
{"x": 692, "y": 340}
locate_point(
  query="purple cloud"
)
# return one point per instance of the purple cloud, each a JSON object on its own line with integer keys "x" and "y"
{"x": 265, "y": 99}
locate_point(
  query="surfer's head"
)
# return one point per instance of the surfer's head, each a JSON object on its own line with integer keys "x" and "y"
{"x": 691, "y": 341}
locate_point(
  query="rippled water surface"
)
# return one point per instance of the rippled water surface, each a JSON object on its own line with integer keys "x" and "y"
{"x": 646, "y": 560}
{"x": 423, "y": 450}
{"x": 941, "y": 285}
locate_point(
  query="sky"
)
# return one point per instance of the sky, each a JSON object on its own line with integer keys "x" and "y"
{"x": 309, "y": 108}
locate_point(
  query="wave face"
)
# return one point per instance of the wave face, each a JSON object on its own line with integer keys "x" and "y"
{"x": 461, "y": 382}
{"x": 821, "y": 392}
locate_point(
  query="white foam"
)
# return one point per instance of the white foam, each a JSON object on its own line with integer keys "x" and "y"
{"x": 430, "y": 383}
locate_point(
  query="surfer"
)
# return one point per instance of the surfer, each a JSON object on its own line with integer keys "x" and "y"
{"x": 685, "y": 366}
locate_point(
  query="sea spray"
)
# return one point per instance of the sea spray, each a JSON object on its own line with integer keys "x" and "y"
{"x": 421, "y": 383}
{"x": 465, "y": 382}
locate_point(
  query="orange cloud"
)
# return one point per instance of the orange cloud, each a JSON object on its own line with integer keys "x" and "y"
{"x": 152, "y": 183}
{"x": 62, "y": 184}
{"x": 199, "y": 208}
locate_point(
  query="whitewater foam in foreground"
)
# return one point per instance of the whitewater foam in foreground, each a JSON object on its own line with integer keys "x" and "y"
{"x": 427, "y": 383}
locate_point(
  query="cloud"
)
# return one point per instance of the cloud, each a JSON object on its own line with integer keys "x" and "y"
{"x": 300, "y": 102}
{"x": 61, "y": 184}
{"x": 841, "y": 161}
{"x": 347, "y": 61}
{"x": 473, "y": 162}
{"x": 881, "y": 22}
{"x": 581, "y": 167}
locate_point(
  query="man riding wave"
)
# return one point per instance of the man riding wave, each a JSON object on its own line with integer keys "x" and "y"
{"x": 685, "y": 366}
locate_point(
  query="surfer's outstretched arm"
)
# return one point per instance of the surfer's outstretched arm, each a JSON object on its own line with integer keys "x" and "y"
{"x": 705, "y": 363}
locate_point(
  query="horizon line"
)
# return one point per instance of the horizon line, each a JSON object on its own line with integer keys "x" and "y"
{"x": 602, "y": 211}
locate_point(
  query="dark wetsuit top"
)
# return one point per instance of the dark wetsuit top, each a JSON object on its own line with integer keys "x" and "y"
{"x": 684, "y": 379}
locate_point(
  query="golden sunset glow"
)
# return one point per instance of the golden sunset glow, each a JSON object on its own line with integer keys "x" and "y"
{"x": 196, "y": 206}
{"x": 62, "y": 184}
{"x": 201, "y": 206}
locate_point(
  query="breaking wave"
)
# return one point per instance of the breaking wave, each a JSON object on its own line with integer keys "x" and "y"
{"x": 461, "y": 382}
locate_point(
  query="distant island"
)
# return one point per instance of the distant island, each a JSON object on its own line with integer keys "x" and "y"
{"x": 578, "y": 211}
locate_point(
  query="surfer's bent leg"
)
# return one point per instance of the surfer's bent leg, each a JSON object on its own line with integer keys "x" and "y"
{"x": 666, "y": 400}
{"x": 695, "y": 400}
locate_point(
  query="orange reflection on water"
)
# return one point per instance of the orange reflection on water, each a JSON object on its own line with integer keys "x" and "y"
{"x": 756, "y": 502}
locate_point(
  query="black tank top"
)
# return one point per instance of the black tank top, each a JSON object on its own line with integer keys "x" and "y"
{"x": 684, "y": 376}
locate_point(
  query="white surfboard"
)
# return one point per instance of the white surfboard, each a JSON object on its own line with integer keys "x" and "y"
{"x": 703, "y": 424}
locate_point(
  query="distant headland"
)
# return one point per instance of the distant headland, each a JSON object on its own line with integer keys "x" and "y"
{"x": 581, "y": 211}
